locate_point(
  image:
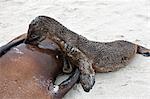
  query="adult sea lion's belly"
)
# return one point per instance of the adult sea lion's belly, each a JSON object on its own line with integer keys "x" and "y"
{"x": 25, "y": 72}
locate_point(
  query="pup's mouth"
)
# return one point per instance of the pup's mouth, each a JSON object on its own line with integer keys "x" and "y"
{"x": 34, "y": 41}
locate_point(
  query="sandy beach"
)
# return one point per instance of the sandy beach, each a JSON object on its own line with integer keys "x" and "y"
{"x": 98, "y": 20}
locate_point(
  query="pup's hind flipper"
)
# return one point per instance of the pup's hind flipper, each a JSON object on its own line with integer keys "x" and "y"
{"x": 144, "y": 51}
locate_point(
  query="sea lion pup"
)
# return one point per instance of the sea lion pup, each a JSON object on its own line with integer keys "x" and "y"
{"x": 86, "y": 54}
{"x": 29, "y": 72}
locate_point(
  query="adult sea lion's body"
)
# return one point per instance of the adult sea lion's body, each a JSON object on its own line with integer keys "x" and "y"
{"x": 86, "y": 54}
{"x": 29, "y": 72}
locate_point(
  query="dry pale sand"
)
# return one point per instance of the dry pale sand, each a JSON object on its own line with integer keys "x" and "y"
{"x": 100, "y": 20}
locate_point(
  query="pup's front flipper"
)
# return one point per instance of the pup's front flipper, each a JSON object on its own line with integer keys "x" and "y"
{"x": 79, "y": 59}
{"x": 87, "y": 77}
{"x": 14, "y": 42}
{"x": 60, "y": 90}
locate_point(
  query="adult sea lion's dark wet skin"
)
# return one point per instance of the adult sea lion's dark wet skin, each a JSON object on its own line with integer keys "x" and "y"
{"x": 29, "y": 72}
{"x": 87, "y": 55}
{"x": 14, "y": 42}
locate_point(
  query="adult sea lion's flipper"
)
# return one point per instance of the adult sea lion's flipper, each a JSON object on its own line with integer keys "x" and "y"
{"x": 66, "y": 85}
{"x": 12, "y": 43}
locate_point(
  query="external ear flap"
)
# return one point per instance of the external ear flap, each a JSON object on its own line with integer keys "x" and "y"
{"x": 14, "y": 42}
{"x": 67, "y": 66}
{"x": 60, "y": 90}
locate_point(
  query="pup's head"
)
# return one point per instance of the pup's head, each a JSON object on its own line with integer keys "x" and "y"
{"x": 37, "y": 31}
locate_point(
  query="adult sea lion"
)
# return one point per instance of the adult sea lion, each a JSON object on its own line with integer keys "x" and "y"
{"x": 29, "y": 72}
{"x": 87, "y": 55}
